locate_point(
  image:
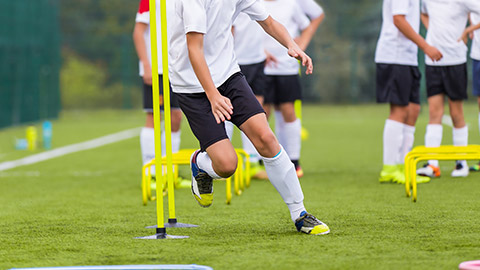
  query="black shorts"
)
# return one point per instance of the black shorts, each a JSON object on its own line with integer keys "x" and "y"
{"x": 256, "y": 78}
{"x": 198, "y": 110}
{"x": 449, "y": 80}
{"x": 398, "y": 84}
{"x": 148, "y": 96}
{"x": 283, "y": 89}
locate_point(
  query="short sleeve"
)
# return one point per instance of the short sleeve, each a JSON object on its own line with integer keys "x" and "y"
{"x": 424, "y": 9}
{"x": 194, "y": 16}
{"x": 310, "y": 8}
{"x": 400, "y": 7}
{"x": 143, "y": 14}
{"x": 301, "y": 19}
{"x": 254, "y": 9}
{"x": 474, "y": 7}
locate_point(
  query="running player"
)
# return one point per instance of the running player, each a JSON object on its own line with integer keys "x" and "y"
{"x": 141, "y": 38}
{"x": 398, "y": 82}
{"x": 446, "y": 21}
{"x": 210, "y": 88}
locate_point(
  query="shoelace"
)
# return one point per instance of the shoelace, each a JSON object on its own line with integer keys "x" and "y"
{"x": 312, "y": 219}
{"x": 459, "y": 166}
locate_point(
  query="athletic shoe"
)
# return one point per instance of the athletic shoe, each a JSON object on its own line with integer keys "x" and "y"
{"x": 202, "y": 183}
{"x": 460, "y": 171}
{"x": 309, "y": 224}
{"x": 299, "y": 171}
{"x": 475, "y": 168}
{"x": 388, "y": 174}
{"x": 182, "y": 183}
{"x": 257, "y": 171}
{"x": 429, "y": 170}
{"x": 400, "y": 176}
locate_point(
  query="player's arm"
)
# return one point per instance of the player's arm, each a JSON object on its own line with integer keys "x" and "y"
{"x": 141, "y": 48}
{"x": 307, "y": 34}
{"x": 278, "y": 32}
{"x": 402, "y": 24}
{"x": 469, "y": 32}
{"x": 221, "y": 106}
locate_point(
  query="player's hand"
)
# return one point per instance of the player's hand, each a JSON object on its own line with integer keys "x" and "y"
{"x": 270, "y": 61}
{"x": 464, "y": 36}
{"x": 433, "y": 53}
{"x": 222, "y": 108}
{"x": 147, "y": 74}
{"x": 306, "y": 61}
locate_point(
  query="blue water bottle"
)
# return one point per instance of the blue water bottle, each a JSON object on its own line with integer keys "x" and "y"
{"x": 47, "y": 134}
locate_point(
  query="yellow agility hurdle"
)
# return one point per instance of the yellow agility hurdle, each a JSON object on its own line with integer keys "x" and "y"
{"x": 422, "y": 153}
{"x": 241, "y": 177}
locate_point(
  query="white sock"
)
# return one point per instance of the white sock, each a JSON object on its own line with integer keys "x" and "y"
{"x": 479, "y": 121}
{"x": 282, "y": 175}
{"x": 279, "y": 127}
{"x": 392, "y": 141}
{"x": 433, "y": 138}
{"x": 229, "y": 129}
{"x": 250, "y": 149}
{"x": 147, "y": 146}
{"x": 293, "y": 139}
{"x": 460, "y": 138}
{"x": 205, "y": 163}
{"x": 176, "y": 141}
{"x": 408, "y": 139}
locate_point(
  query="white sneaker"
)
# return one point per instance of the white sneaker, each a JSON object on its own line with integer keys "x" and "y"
{"x": 460, "y": 171}
{"x": 429, "y": 171}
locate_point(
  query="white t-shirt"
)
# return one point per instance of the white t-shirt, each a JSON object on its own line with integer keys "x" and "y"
{"x": 393, "y": 46}
{"x": 143, "y": 16}
{"x": 248, "y": 37}
{"x": 447, "y": 21}
{"x": 289, "y": 14}
{"x": 475, "y": 54}
{"x": 214, "y": 19}
{"x": 310, "y": 8}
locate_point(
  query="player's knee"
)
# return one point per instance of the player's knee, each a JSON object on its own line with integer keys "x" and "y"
{"x": 266, "y": 143}
{"x": 176, "y": 120}
{"x": 227, "y": 166}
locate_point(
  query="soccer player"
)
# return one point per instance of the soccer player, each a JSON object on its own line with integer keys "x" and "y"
{"x": 284, "y": 83}
{"x": 210, "y": 88}
{"x": 398, "y": 82}
{"x": 446, "y": 21}
{"x": 141, "y": 38}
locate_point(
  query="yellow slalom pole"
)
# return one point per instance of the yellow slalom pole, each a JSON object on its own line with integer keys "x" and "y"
{"x": 168, "y": 118}
{"x": 156, "y": 116}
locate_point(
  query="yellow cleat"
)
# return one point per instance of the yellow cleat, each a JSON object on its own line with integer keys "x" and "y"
{"x": 309, "y": 224}
{"x": 202, "y": 183}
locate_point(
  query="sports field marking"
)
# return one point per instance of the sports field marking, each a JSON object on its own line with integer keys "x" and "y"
{"x": 62, "y": 151}
{"x": 125, "y": 267}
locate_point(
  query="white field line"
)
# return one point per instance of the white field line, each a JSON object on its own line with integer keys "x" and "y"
{"x": 125, "y": 267}
{"x": 62, "y": 151}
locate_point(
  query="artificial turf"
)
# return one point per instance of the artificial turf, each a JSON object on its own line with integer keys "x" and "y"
{"x": 86, "y": 208}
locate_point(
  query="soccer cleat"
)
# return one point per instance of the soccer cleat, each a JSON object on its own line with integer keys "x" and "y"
{"x": 309, "y": 224}
{"x": 475, "y": 168}
{"x": 257, "y": 171}
{"x": 400, "y": 176}
{"x": 460, "y": 170}
{"x": 181, "y": 183}
{"x": 202, "y": 183}
{"x": 388, "y": 174}
{"x": 299, "y": 171}
{"x": 429, "y": 171}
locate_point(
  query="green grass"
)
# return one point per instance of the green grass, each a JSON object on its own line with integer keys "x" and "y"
{"x": 85, "y": 208}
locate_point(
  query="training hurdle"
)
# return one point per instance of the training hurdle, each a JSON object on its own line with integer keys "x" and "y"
{"x": 241, "y": 178}
{"x": 422, "y": 153}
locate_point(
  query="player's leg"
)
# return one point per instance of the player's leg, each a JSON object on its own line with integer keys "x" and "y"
{"x": 456, "y": 80}
{"x": 147, "y": 134}
{"x": 176, "y": 122}
{"x": 434, "y": 130}
{"x": 281, "y": 171}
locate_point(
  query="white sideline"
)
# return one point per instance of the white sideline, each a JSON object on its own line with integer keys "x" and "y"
{"x": 62, "y": 151}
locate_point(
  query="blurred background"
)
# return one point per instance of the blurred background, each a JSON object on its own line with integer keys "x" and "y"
{"x": 78, "y": 54}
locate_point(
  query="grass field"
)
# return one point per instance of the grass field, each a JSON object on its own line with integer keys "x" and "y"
{"x": 85, "y": 208}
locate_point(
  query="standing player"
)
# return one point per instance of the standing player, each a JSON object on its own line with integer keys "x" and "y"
{"x": 210, "y": 89}
{"x": 283, "y": 79}
{"x": 251, "y": 56}
{"x": 398, "y": 82}
{"x": 141, "y": 38}
{"x": 446, "y": 21}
